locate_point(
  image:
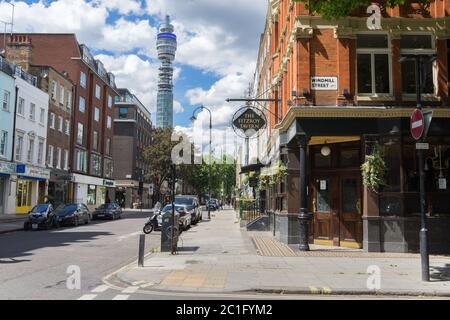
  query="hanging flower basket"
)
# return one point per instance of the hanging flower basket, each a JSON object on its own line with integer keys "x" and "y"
{"x": 374, "y": 170}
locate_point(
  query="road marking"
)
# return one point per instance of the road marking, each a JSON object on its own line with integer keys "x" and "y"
{"x": 100, "y": 289}
{"x": 130, "y": 290}
{"x": 121, "y": 297}
{"x": 88, "y": 297}
{"x": 129, "y": 235}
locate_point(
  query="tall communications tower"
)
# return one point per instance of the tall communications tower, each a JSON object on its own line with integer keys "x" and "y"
{"x": 166, "y": 46}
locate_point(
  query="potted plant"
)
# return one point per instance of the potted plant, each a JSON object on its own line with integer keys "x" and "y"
{"x": 374, "y": 170}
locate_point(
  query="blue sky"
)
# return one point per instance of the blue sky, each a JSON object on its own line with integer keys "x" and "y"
{"x": 218, "y": 44}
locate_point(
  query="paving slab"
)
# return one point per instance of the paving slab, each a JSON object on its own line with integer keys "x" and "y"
{"x": 230, "y": 259}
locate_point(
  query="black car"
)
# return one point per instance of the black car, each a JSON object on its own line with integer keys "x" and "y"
{"x": 73, "y": 214}
{"x": 108, "y": 211}
{"x": 41, "y": 216}
{"x": 213, "y": 205}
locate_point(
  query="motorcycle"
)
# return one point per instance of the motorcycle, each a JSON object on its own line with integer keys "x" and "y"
{"x": 152, "y": 223}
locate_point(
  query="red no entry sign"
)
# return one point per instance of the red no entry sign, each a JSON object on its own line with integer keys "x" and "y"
{"x": 417, "y": 124}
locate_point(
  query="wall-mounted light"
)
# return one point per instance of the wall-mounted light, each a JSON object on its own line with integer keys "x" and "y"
{"x": 294, "y": 93}
{"x": 325, "y": 151}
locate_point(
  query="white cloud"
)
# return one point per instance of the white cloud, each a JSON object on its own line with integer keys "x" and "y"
{"x": 177, "y": 107}
{"x": 139, "y": 76}
{"x": 218, "y": 36}
{"x": 123, "y": 6}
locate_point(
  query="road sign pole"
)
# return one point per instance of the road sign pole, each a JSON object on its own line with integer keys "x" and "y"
{"x": 418, "y": 131}
{"x": 424, "y": 255}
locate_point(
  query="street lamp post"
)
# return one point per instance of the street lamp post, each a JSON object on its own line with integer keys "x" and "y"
{"x": 193, "y": 118}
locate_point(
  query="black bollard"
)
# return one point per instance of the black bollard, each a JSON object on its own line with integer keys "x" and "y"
{"x": 141, "y": 250}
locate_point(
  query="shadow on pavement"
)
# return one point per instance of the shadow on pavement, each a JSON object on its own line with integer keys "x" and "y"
{"x": 440, "y": 273}
{"x": 12, "y": 248}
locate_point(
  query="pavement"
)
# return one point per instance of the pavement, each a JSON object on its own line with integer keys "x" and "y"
{"x": 218, "y": 257}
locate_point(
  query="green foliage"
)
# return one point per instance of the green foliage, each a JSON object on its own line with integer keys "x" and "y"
{"x": 374, "y": 170}
{"x": 159, "y": 156}
{"x": 332, "y": 9}
{"x": 223, "y": 177}
{"x": 273, "y": 177}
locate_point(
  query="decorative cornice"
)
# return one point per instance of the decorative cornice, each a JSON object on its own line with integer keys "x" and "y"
{"x": 350, "y": 26}
{"x": 351, "y": 113}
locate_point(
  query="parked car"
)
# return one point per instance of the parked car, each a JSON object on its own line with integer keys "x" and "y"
{"x": 191, "y": 204}
{"x": 108, "y": 211}
{"x": 73, "y": 214}
{"x": 185, "y": 219}
{"x": 213, "y": 204}
{"x": 42, "y": 216}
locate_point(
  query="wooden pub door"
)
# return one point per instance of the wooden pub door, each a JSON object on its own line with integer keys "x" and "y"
{"x": 336, "y": 206}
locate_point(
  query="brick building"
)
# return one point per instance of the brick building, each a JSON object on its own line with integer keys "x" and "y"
{"x": 132, "y": 135}
{"x": 59, "y": 129}
{"x": 94, "y": 90}
{"x": 343, "y": 88}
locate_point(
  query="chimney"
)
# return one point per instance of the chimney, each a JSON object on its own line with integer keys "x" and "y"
{"x": 19, "y": 51}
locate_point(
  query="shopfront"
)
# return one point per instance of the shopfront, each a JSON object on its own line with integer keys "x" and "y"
{"x": 31, "y": 187}
{"x": 92, "y": 191}
{"x": 346, "y": 210}
{"x": 6, "y": 170}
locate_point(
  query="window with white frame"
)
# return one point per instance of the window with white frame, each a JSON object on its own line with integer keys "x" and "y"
{"x": 53, "y": 90}
{"x": 40, "y": 159}
{"x": 67, "y": 127}
{"x": 19, "y": 147}
{"x": 97, "y": 114}
{"x": 3, "y": 143}
{"x": 82, "y": 105}
{"x": 98, "y": 92}
{"x": 95, "y": 142}
{"x": 66, "y": 159}
{"x": 418, "y": 44}
{"x": 30, "y": 153}
{"x": 82, "y": 79}
{"x": 51, "y": 120}
{"x": 108, "y": 146}
{"x": 21, "y": 106}
{"x": 109, "y": 122}
{"x": 80, "y": 160}
{"x": 50, "y": 156}
{"x": 69, "y": 100}
{"x": 110, "y": 102}
{"x": 6, "y": 98}
{"x": 32, "y": 111}
{"x": 58, "y": 158}
{"x": 60, "y": 124}
{"x": 80, "y": 133}
{"x": 42, "y": 116}
{"x": 61, "y": 95}
{"x": 374, "y": 64}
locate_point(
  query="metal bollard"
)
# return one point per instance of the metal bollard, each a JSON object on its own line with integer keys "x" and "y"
{"x": 141, "y": 250}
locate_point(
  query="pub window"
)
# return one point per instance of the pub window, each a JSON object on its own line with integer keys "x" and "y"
{"x": 423, "y": 45}
{"x": 350, "y": 158}
{"x": 374, "y": 64}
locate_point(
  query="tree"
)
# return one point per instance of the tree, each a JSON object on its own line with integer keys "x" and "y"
{"x": 159, "y": 158}
{"x": 223, "y": 176}
{"x": 332, "y": 9}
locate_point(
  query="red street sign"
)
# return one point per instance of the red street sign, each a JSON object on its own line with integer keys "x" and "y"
{"x": 417, "y": 124}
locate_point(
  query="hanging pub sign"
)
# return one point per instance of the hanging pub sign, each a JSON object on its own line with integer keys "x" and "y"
{"x": 248, "y": 121}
